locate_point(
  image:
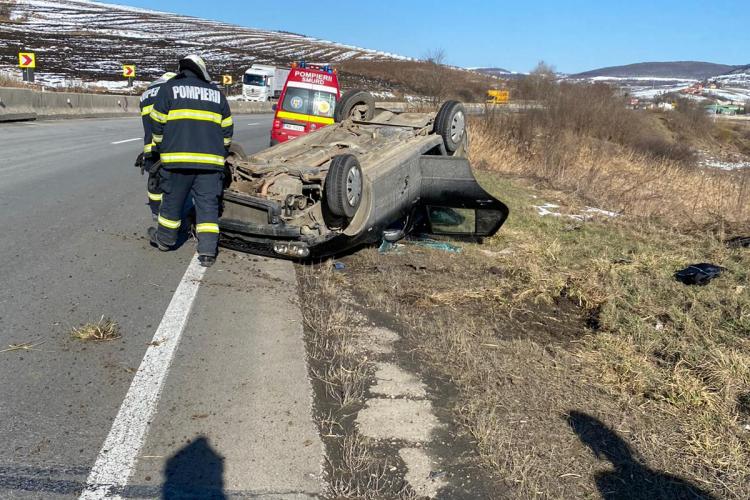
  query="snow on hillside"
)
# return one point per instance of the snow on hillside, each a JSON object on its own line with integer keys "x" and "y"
{"x": 735, "y": 79}
{"x": 92, "y": 40}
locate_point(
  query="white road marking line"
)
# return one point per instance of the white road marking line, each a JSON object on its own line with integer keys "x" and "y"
{"x": 127, "y": 140}
{"x": 118, "y": 455}
{"x": 254, "y": 123}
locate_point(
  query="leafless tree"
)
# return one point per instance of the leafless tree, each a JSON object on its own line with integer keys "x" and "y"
{"x": 435, "y": 84}
{"x": 435, "y": 56}
{"x": 540, "y": 83}
{"x": 6, "y": 9}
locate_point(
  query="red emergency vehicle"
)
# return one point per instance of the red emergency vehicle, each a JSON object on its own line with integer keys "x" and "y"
{"x": 306, "y": 103}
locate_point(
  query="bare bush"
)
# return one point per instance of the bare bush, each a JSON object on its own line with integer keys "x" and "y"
{"x": 691, "y": 119}
{"x": 6, "y": 9}
{"x": 416, "y": 77}
{"x": 594, "y": 111}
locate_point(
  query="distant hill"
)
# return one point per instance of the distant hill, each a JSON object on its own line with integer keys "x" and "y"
{"x": 498, "y": 72}
{"x": 742, "y": 70}
{"x": 92, "y": 40}
{"x": 493, "y": 71}
{"x": 693, "y": 70}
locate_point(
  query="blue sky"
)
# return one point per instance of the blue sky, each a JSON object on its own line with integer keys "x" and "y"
{"x": 574, "y": 35}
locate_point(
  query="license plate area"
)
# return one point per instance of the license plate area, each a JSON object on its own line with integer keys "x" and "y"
{"x": 293, "y": 127}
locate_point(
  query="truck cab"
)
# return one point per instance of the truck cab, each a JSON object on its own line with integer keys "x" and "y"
{"x": 262, "y": 83}
{"x": 307, "y": 102}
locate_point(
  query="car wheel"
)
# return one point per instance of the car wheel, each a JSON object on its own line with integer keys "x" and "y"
{"x": 450, "y": 124}
{"x": 237, "y": 150}
{"x": 355, "y": 104}
{"x": 343, "y": 186}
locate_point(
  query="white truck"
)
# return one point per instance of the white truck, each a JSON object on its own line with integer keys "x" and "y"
{"x": 263, "y": 83}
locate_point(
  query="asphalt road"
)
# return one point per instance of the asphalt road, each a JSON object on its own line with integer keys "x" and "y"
{"x": 211, "y": 367}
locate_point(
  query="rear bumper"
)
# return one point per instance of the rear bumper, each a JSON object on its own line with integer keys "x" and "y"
{"x": 280, "y": 135}
{"x": 254, "y": 225}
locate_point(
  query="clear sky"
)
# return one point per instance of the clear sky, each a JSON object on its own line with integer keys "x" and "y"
{"x": 572, "y": 35}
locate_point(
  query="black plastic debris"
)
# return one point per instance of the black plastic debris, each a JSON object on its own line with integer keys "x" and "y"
{"x": 739, "y": 242}
{"x": 699, "y": 274}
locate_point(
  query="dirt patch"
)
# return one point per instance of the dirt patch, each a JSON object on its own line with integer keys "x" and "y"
{"x": 363, "y": 376}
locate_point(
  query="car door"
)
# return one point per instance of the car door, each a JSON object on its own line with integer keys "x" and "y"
{"x": 453, "y": 204}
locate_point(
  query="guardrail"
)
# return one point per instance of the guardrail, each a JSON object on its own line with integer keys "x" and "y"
{"x": 28, "y": 104}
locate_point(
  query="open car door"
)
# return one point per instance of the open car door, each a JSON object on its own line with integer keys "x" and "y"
{"x": 454, "y": 204}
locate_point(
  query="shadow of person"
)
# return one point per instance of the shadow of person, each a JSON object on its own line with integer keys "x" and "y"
{"x": 194, "y": 472}
{"x": 630, "y": 479}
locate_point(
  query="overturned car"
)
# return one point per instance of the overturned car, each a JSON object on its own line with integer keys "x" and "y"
{"x": 375, "y": 174}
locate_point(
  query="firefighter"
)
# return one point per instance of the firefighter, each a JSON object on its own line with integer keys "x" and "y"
{"x": 192, "y": 132}
{"x": 149, "y": 157}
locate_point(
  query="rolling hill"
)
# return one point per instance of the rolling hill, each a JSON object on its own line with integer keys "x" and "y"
{"x": 687, "y": 70}
{"x": 91, "y": 41}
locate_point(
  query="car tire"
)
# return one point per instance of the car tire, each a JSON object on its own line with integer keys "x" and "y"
{"x": 355, "y": 104}
{"x": 344, "y": 185}
{"x": 450, "y": 124}
{"x": 237, "y": 150}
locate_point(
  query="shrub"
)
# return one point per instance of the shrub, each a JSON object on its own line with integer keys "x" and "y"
{"x": 6, "y": 9}
{"x": 423, "y": 78}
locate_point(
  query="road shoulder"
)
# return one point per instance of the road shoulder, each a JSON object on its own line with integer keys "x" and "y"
{"x": 235, "y": 415}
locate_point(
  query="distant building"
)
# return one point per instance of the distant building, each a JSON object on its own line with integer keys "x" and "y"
{"x": 725, "y": 109}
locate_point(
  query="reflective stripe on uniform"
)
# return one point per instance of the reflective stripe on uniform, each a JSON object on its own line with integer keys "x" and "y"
{"x": 194, "y": 114}
{"x": 227, "y": 141}
{"x": 169, "y": 224}
{"x": 304, "y": 118}
{"x": 157, "y": 138}
{"x": 207, "y": 227}
{"x": 207, "y": 159}
{"x": 158, "y": 117}
{"x": 147, "y": 110}
{"x": 154, "y": 196}
{"x": 227, "y": 122}
{"x": 148, "y": 147}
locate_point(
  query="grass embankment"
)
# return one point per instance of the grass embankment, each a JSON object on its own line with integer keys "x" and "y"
{"x": 582, "y": 368}
{"x": 554, "y": 316}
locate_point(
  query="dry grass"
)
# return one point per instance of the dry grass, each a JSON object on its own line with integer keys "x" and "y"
{"x": 564, "y": 317}
{"x": 617, "y": 178}
{"x": 101, "y": 331}
{"x": 24, "y": 346}
{"x": 581, "y": 367}
{"x": 585, "y": 141}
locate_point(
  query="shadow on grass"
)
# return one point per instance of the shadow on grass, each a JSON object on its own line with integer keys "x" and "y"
{"x": 630, "y": 479}
{"x": 194, "y": 472}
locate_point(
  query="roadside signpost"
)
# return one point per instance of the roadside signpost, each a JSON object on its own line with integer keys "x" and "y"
{"x": 27, "y": 63}
{"x": 128, "y": 71}
{"x": 226, "y": 80}
{"x": 498, "y": 96}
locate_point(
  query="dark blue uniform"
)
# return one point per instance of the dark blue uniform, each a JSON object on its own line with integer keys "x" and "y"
{"x": 192, "y": 131}
{"x": 149, "y": 156}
